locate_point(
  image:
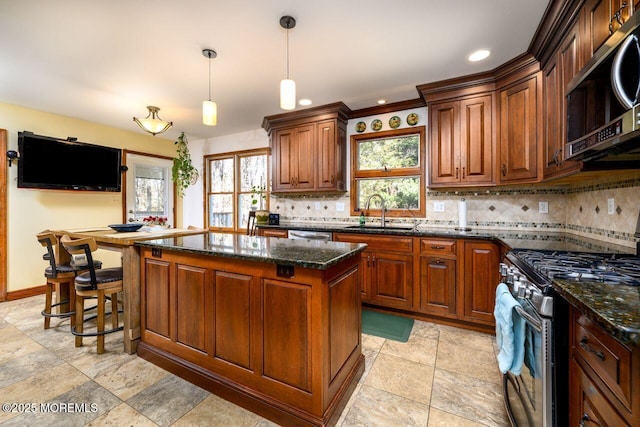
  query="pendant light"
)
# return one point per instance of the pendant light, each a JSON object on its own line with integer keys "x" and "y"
{"x": 153, "y": 123}
{"x": 209, "y": 108}
{"x": 287, "y": 86}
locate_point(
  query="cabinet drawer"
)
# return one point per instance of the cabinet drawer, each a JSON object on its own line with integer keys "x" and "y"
{"x": 610, "y": 360}
{"x": 438, "y": 247}
{"x": 376, "y": 243}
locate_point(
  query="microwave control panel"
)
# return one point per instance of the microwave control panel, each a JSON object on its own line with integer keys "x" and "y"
{"x": 609, "y": 131}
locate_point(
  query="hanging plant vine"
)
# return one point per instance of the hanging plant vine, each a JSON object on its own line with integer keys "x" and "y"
{"x": 183, "y": 172}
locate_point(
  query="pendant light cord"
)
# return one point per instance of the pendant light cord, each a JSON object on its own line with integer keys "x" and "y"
{"x": 287, "y": 53}
{"x": 209, "y": 76}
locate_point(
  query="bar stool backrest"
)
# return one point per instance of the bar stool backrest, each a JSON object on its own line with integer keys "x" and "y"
{"x": 84, "y": 246}
{"x": 48, "y": 240}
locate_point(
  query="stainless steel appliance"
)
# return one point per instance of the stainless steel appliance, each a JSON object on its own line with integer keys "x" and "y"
{"x": 603, "y": 115}
{"x": 538, "y": 396}
{"x": 310, "y": 235}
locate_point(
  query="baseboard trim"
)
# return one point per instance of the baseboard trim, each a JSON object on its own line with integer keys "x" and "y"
{"x": 26, "y": 293}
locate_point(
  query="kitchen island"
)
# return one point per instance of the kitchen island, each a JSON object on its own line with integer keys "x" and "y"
{"x": 273, "y": 325}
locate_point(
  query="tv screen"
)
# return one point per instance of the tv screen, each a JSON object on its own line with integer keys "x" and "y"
{"x": 52, "y": 163}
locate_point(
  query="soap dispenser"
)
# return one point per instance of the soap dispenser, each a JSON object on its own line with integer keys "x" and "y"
{"x": 362, "y": 219}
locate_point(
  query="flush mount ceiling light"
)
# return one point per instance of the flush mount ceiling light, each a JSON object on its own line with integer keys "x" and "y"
{"x": 209, "y": 108}
{"x": 153, "y": 123}
{"x": 304, "y": 102}
{"x": 287, "y": 86}
{"x": 479, "y": 55}
{"x": 381, "y": 101}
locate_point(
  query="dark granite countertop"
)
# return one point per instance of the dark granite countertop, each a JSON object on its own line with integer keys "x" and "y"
{"x": 319, "y": 255}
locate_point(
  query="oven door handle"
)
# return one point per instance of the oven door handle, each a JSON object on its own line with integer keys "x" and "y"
{"x": 537, "y": 325}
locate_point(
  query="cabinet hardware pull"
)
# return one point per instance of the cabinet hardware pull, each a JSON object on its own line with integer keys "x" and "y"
{"x": 373, "y": 261}
{"x": 437, "y": 247}
{"x": 333, "y": 180}
{"x": 618, "y": 17}
{"x": 585, "y": 419}
{"x": 457, "y": 173}
{"x": 464, "y": 172}
{"x": 368, "y": 261}
{"x": 504, "y": 170}
{"x": 586, "y": 347}
{"x": 439, "y": 261}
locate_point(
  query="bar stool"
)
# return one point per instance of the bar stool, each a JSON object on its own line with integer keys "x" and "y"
{"x": 59, "y": 280}
{"x": 251, "y": 224}
{"x": 103, "y": 284}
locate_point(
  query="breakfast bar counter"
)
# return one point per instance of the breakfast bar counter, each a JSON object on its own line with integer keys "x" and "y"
{"x": 273, "y": 325}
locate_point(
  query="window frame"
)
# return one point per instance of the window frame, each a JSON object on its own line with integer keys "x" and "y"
{"x": 419, "y": 172}
{"x": 236, "y": 193}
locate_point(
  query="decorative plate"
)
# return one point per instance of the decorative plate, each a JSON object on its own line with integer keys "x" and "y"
{"x": 360, "y": 127}
{"x": 412, "y": 119}
{"x": 376, "y": 124}
{"x": 394, "y": 122}
{"x": 121, "y": 228}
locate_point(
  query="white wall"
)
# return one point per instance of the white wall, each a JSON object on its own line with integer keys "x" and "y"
{"x": 31, "y": 211}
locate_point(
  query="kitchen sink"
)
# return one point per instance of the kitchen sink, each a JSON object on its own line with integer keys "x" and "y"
{"x": 379, "y": 227}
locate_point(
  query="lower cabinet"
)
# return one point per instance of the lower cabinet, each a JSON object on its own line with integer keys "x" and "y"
{"x": 479, "y": 279}
{"x": 438, "y": 278}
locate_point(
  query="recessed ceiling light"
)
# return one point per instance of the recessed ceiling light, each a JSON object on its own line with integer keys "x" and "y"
{"x": 479, "y": 55}
{"x": 304, "y": 102}
{"x": 382, "y": 101}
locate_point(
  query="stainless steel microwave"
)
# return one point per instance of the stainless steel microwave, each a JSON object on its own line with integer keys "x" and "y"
{"x": 603, "y": 103}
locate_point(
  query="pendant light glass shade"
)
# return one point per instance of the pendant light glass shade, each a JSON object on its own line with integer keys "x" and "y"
{"x": 153, "y": 123}
{"x": 209, "y": 113}
{"x": 209, "y": 108}
{"x": 287, "y": 94}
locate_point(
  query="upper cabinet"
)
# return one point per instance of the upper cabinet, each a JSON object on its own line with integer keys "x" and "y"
{"x": 520, "y": 106}
{"x": 601, "y": 19}
{"x": 462, "y": 134}
{"x": 308, "y": 149}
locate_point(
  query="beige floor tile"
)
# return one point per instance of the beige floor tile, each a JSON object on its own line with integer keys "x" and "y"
{"x": 402, "y": 377}
{"x": 131, "y": 377}
{"x": 416, "y": 349}
{"x": 122, "y": 415}
{"x": 469, "y": 339}
{"x": 468, "y": 361}
{"x": 214, "y": 411}
{"x": 438, "y": 418}
{"x": 372, "y": 342}
{"x": 425, "y": 330}
{"x": 15, "y": 344}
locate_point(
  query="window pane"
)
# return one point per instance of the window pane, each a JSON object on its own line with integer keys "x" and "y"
{"x": 398, "y": 193}
{"x": 244, "y": 206}
{"x": 389, "y": 153}
{"x": 150, "y": 191}
{"x": 253, "y": 170}
{"x": 221, "y": 179}
{"x": 221, "y": 210}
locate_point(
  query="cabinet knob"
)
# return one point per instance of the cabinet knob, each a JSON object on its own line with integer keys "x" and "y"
{"x": 333, "y": 179}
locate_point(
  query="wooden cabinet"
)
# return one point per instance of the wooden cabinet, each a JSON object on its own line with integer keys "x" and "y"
{"x": 461, "y": 141}
{"x": 438, "y": 279}
{"x": 309, "y": 149}
{"x": 479, "y": 279}
{"x": 604, "y": 386}
{"x": 387, "y": 264}
{"x": 562, "y": 67}
{"x": 600, "y": 21}
{"x": 520, "y": 125}
{"x": 268, "y": 232}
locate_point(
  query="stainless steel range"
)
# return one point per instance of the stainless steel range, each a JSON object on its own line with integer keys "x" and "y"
{"x": 538, "y": 396}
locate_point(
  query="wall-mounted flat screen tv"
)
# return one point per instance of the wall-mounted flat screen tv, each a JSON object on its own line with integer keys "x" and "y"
{"x": 65, "y": 164}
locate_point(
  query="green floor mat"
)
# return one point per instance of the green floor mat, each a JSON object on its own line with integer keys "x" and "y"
{"x": 386, "y": 325}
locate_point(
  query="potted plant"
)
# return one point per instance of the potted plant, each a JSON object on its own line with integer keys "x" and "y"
{"x": 257, "y": 194}
{"x": 183, "y": 172}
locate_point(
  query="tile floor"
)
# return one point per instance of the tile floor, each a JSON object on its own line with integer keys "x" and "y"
{"x": 442, "y": 376}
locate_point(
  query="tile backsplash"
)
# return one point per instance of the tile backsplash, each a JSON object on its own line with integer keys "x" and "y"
{"x": 580, "y": 208}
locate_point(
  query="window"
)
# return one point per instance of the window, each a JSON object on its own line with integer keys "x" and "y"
{"x": 149, "y": 190}
{"x": 390, "y": 164}
{"x": 233, "y": 181}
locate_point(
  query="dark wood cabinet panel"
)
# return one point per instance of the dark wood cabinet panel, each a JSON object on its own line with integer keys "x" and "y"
{"x": 445, "y": 143}
{"x": 157, "y": 299}
{"x": 190, "y": 306}
{"x": 519, "y": 125}
{"x": 480, "y": 278}
{"x": 392, "y": 279}
{"x": 331, "y": 156}
{"x": 287, "y": 338}
{"x": 293, "y": 168}
{"x": 344, "y": 322}
{"x": 600, "y": 22}
{"x": 232, "y": 318}
{"x": 438, "y": 285}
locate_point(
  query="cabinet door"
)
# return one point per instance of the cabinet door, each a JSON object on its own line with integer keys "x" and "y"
{"x": 329, "y": 156}
{"x": 365, "y": 271}
{"x": 391, "y": 283}
{"x": 476, "y": 140}
{"x": 597, "y": 19}
{"x": 553, "y": 116}
{"x": 438, "y": 285}
{"x": 293, "y": 154}
{"x": 587, "y": 405}
{"x": 445, "y": 143}
{"x": 518, "y": 131}
{"x": 480, "y": 278}
{"x": 305, "y": 157}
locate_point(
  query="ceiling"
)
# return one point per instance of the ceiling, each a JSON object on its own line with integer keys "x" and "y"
{"x": 105, "y": 61}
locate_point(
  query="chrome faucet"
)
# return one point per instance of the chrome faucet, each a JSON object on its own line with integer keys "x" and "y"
{"x": 381, "y": 206}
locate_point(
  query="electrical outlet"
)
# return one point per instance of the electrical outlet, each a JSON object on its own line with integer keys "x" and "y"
{"x": 543, "y": 207}
{"x": 438, "y": 206}
{"x": 611, "y": 206}
{"x": 317, "y": 206}
{"x": 339, "y": 207}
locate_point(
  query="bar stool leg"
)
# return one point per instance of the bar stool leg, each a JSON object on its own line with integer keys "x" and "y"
{"x": 72, "y": 305}
{"x": 114, "y": 310}
{"x": 101, "y": 310}
{"x": 79, "y": 319}
{"x": 47, "y": 304}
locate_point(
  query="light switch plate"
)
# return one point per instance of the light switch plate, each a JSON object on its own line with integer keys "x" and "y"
{"x": 611, "y": 206}
{"x": 339, "y": 207}
{"x": 543, "y": 207}
{"x": 438, "y": 206}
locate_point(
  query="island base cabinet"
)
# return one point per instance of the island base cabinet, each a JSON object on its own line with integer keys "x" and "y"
{"x": 287, "y": 348}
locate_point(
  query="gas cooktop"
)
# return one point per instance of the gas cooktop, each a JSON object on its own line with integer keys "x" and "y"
{"x": 615, "y": 269}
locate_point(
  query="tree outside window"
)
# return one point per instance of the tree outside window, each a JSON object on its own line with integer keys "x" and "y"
{"x": 391, "y": 164}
